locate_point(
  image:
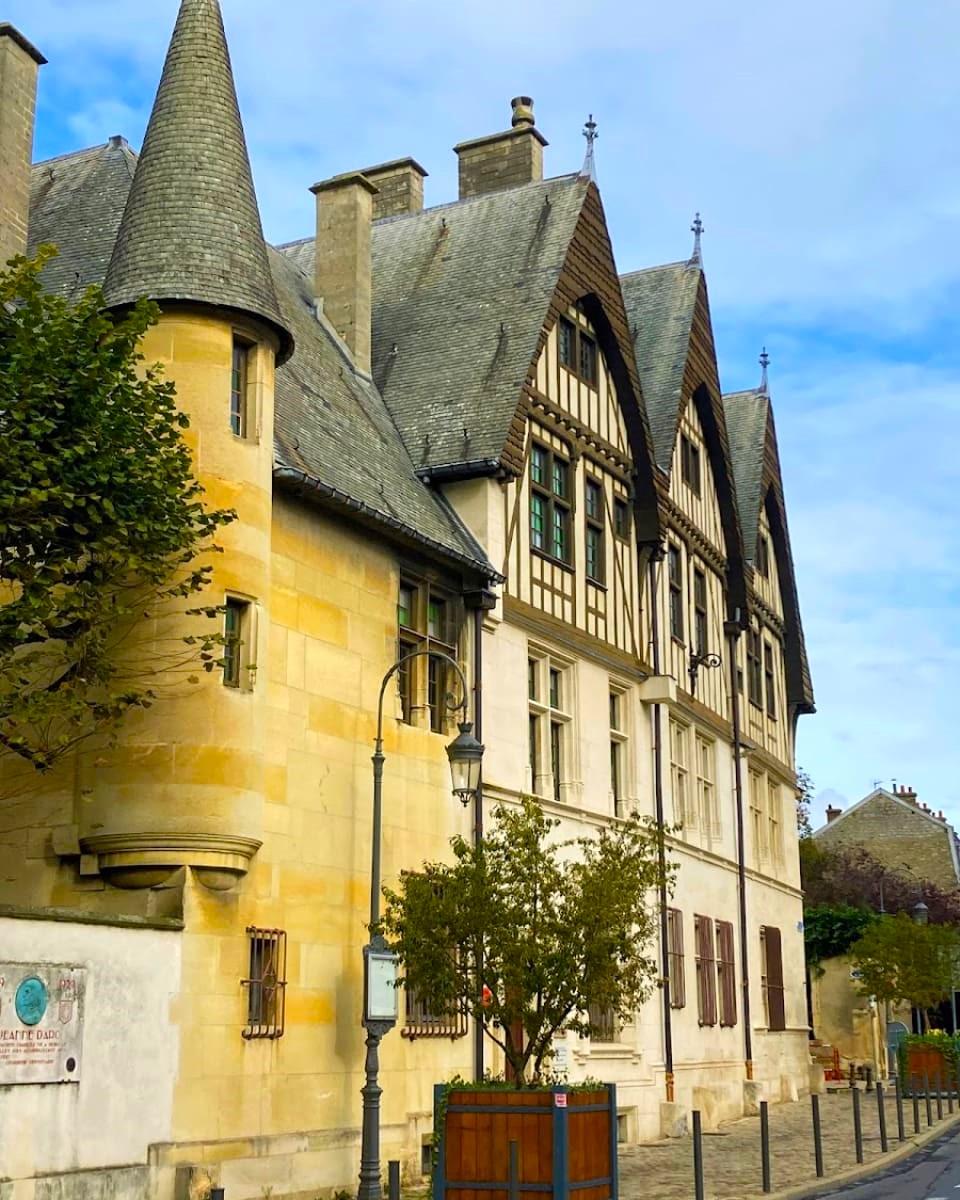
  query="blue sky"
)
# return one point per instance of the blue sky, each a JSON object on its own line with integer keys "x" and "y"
{"x": 818, "y": 141}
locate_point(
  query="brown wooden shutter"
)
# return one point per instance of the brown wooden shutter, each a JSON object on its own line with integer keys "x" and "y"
{"x": 726, "y": 973}
{"x": 775, "y": 1004}
{"x": 706, "y": 971}
{"x": 675, "y": 964}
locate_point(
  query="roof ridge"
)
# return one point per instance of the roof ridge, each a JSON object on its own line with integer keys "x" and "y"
{"x": 191, "y": 227}
{"x": 683, "y": 262}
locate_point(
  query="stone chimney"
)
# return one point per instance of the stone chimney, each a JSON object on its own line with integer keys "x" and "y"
{"x": 399, "y": 187}
{"x": 905, "y": 793}
{"x": 832, "y": 813}
{"x": 342, "y": 275}
{"x": 19, "y": 64}
{"x": 503, "y": 160}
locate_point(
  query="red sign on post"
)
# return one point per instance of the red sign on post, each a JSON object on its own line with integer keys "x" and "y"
{"x": 560, "y": 1099}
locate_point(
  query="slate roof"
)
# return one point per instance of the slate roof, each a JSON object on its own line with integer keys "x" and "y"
{"x": 333, "y": 435}
{"x": 660, "y": 303}
{"x": 460, "y": 295}
{"x": 746, "y": 415}
{"x": 191, "y": 228}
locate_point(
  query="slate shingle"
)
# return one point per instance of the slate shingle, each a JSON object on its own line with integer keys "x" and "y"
{"x": 191, "y": 227}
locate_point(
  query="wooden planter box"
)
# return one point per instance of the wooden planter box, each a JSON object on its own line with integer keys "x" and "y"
{"x": 567, "y": 1143}
{"x": 927, "y": 1061}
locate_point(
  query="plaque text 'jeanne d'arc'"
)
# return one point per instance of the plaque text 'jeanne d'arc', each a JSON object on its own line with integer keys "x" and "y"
{"x": 41, "y": 1022}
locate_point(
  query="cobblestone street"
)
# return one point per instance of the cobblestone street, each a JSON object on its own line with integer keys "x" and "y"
{"x": 731, "y": 1156}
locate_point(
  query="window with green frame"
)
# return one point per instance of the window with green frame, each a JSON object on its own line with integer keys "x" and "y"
{"x": 550, "y": 503}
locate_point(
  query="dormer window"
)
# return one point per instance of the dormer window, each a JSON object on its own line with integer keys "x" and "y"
{"x": 578, "y": 351}
{"x": 549, "y": 503}
{"x": 690, "y": 463}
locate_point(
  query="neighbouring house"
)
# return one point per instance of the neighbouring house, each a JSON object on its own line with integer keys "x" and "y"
{"x": 455, "y": 429}
{"x": 900, "y": 832}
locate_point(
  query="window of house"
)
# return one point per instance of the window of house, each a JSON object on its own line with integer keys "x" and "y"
{"x": 420, "y": 1021}
{"x": 550, "y": 503}
{"x": 690, "y": 463}
{"x": 267, "y": 982}
{"x": 578, "y": 351}
{"x": 618, "y": 752}
{"x": 771, "y": 979}
{"x": 706, "y": 963}
{"x": 763, "y": 556}
{"x": 768, "y": 680}
{"x": 675, "y": 966}
{"x": 237, "y": 622}
{"x": 754, "y": 669}
{"x": 774, "y": 821}
{"x": 593, "y": 496}
{"x": 758, "y": 817}
{"x": 675, "y": 574}
{"x": 726, "y": 974}
{"x": 550, "y": 726}
{"x": 240, "y": 387}
{"x": 701, "y": 635}
{"x": 706, "y": 788}
{"x": 621, "y": 518}
{"x": 683, "y": 808}
{"x": 604, "y": 1026}
{"x": 428, "y": 619}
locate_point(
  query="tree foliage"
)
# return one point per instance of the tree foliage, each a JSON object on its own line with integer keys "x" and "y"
{"x": 101, "y": 520}
{"x": 831, "y": 929}
{"x": 901, "y": 961}
{"x": 805, "y": 797}
{"x": 560, "y": 927}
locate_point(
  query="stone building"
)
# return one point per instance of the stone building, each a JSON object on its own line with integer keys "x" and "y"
{"x": 453, "y": 429}
{"x": 900, "y": 832}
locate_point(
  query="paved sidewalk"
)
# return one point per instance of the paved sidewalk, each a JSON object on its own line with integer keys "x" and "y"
{"x": 731, "y": 1156}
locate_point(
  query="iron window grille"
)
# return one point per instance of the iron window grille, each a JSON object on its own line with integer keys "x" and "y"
{"x": 604, "y": 1026}
{"x": 420, "y": 1021}
{"x": 267, "y": 983}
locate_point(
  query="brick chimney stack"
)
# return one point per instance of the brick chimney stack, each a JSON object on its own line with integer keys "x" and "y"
{"x": 399, "y": 187}
{"x": 502, "y": 160}
{"x": 832, "y": 813}
{"x": 342, "y": 271}
{"x": 20, "y": 63}
{"x": 905, "y": 793}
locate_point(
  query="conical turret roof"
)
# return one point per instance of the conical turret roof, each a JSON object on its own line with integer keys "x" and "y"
{"x": 191, "y": 228}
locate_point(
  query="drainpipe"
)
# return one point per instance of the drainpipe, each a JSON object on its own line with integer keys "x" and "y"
{"x": 478, "y": 806}
{"x": 661, "y": 839}
{"x": 732, "y": 630}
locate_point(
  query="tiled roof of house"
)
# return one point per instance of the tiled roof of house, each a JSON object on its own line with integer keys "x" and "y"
{"x": 746, "y": 414}
{"x": 660, "y": 304}
{"x": 460, "y": 295}
{"x": 191, "y": 227}
{"x": 333, "y": 434}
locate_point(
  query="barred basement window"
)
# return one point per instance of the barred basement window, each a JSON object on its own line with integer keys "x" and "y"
{"x": 604, "y": 1026}
{"x": 420, "y": 1022}
{"x": 266, "y": 995}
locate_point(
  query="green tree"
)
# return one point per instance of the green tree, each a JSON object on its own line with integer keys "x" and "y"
{"x": 899, "y": 960}
{"x": 805, "y": 797}
{"x": 831, "y": 929}
{"x": 562, "y": 928}
{"x": 101, "y": 520}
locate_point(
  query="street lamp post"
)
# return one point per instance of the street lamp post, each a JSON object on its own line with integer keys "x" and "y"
{"x": 465, "y": 754}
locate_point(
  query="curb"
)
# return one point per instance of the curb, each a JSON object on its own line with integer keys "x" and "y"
{"x": 859, "y": 1173}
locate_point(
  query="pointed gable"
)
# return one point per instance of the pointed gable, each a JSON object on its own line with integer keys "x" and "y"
{"x": 191, "y": 227}
{"x": 756, "y": 466}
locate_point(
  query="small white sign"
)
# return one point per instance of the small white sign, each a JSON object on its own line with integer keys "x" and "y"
{"x": 381, "y": 986}
{"x": 41, "y": 1022}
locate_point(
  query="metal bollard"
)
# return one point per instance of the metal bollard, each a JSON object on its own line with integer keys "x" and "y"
{"x": 513, "y": 1177}
{"x": 939, "y": 1101}
{"x": 898, "y": 1092}
{"x": 852, "y": 1075}
{"x": 882, "y": 1115}
{"x": 857, "y": 1125}
{"x": 817, "y": 1138}
{"x": 915, "y": 1096}
{"x": 868, "y": 1072}
{"x": 393, "y": 1179}
{"x": 765, "y": 1145}
{"x": 697, "y": 1156}
{"x": 927, "y": 1098}
{"x": 216, "y": 1193}
{"x": 949, "y": 1092}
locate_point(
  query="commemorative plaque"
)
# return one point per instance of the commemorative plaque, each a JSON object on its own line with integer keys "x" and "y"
{"x": 41, "y": 1022}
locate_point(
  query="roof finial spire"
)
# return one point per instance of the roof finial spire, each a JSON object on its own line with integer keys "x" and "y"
{"x": 764, "y": 363}
{"x": 696, "y": 229}
{"x": 589, "y": 169}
